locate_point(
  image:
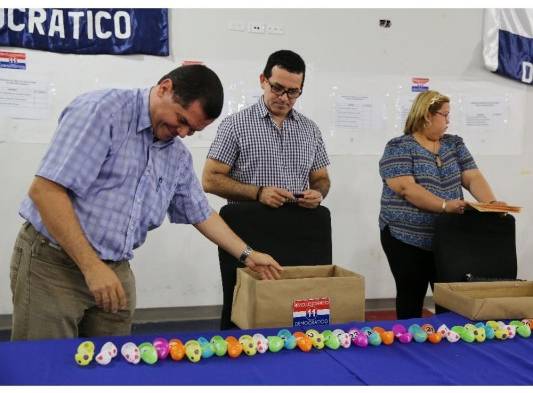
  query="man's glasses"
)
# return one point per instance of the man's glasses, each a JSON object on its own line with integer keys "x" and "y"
{"x": 445, "y": 115}
{"x": 280, "y": 90}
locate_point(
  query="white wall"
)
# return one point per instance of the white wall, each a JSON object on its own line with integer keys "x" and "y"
{"x": 176, "y": 266}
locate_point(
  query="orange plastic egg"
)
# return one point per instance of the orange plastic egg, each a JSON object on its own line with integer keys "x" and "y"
{"x": 177, "y": 349}
{"x": 304, "y": 342}
{"x": 434, "y": 338}
{"x": 378, "y": 329}
{"x": 387, "y": 337}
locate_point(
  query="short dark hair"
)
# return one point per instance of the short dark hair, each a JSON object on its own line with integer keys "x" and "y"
{"x": 286, "y": 59}
{"x": 197, "y": 82}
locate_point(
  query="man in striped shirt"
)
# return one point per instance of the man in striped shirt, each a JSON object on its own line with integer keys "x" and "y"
{"x": 113, "y": 171}
{"x": 269, "y": 152}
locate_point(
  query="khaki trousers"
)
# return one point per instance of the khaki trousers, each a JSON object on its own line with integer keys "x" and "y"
{"x": 51, "y": 298}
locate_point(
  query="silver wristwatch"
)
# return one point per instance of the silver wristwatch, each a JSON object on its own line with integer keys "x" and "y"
{"x": 245, "y": 254}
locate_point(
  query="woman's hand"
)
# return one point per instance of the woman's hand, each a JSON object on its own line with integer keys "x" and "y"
{"x": 456, "y": 206}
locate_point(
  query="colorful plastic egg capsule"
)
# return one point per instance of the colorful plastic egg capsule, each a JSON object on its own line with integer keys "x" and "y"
{"x": 344, "y": 338}
{"x": 405, "y": 338}
{"x": 511, "y": 330}
{"x": 284, "y": 333}
{"x": 453, "y": 337}
{"x": 443, "y": 330}
{"x": 275, "y": 343}
{"x": 110, "y": 348}
{"x": 387, "y": 337}
{"x": 470, "y": 326}
{"x": 359, "y": 338}
{"x": 176, "y": 349}
{"x": 493, "y": 324}
{"x": 489, "y": 331}
{"x": 434, "y": 337}
{"x": 428, "y": 328}
{"x": 103, "y": 358}
{"x": 529, "y": 322}
{"x": 378, "y": 329}
{"x": 465, "y": 334}
{"x": 419, "y": 335}
{"x": 261, "y": 343}
{"x": 479, "y": 334}
{"x": 522, "y": 329}
{"x": 193, "y": 351}
{"x": 234, "y": 349}
{"x": 326, "y": 334}
{"x": 288, "y": 339}
{"x": 248, "y": 345}
{"x": 290, "y": 342}
{"x": 330, "y": 340}
{"x": 303, "y": 341}
{"x": 161, "y": 347}
{"x": 316, "y": 338}
{"x": 207, "y": 347}
{"x": 366, "y": 330}
{"x": 398, "y": 329}
{"x": 86, "y": 347}
{"x": 373, "y": 337}
{"x": 148, "y": 353}
{"x": 83, "y": 358}
{"x": 501, "y": 334}
{"x": 131, "y": 353}
{"x": 220, "y": 345}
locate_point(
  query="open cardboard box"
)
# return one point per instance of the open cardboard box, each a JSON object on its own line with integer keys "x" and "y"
{"x": 269, "y": 303}
{"x": 487, "y": 300}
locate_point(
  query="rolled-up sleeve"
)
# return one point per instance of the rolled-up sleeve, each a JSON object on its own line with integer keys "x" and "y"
{"x": 189, "y": 204}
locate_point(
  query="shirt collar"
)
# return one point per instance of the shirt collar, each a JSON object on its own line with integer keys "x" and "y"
{"x": 263, "y": 110}
{"x": 143, "y": 109}
{"x": 145, "y": 123}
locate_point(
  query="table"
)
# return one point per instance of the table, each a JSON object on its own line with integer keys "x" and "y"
{"x": 494, "y": 362}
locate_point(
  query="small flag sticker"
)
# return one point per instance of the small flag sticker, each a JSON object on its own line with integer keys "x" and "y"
{"x": 419, "y": 84}
{"x": 14, "y": 60}
{"x": 310, "y": 312}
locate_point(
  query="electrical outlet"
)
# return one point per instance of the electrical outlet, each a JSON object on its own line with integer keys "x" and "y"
{"x": 275, "y": 29}
{"x": 258, "y": 28}
{"x": 236, "y": 26}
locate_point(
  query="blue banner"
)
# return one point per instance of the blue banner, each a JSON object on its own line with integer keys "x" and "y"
{"x": 86, "y": 31}
{"x": 515, "y": 56}
{"x": 508, "y": 43}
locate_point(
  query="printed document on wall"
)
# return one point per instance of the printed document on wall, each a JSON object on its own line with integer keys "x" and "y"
{"x": 24, "y": 96}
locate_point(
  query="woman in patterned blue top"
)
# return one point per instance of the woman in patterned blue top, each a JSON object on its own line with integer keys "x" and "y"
{"x": 423, "y": 173}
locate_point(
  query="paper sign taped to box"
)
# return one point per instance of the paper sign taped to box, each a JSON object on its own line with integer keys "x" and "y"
{"x": 310, "y": 312}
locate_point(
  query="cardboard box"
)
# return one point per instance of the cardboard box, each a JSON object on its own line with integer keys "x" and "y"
{"x": 487, "y": 300}
{"x": 269, "y": 303}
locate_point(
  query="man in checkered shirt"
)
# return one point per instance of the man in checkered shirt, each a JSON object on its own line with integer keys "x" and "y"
{"x": 113, "y": 171}
{"x": 269, "y": 152}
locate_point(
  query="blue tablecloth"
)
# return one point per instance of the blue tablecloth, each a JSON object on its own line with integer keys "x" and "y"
{"x": 494, "y": 362}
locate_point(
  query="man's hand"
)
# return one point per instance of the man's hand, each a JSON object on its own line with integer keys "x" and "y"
{"x": 105, "y": 287}
{"x": 311, "y": 199}
{"x": 264, "y": 264}
{"x": 274, "y": 197}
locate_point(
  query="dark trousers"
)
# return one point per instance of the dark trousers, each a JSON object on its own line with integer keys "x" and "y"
{"x": 413, "y": 268}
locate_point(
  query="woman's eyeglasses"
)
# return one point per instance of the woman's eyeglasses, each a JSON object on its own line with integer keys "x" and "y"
{"x": 445, "y": 115}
